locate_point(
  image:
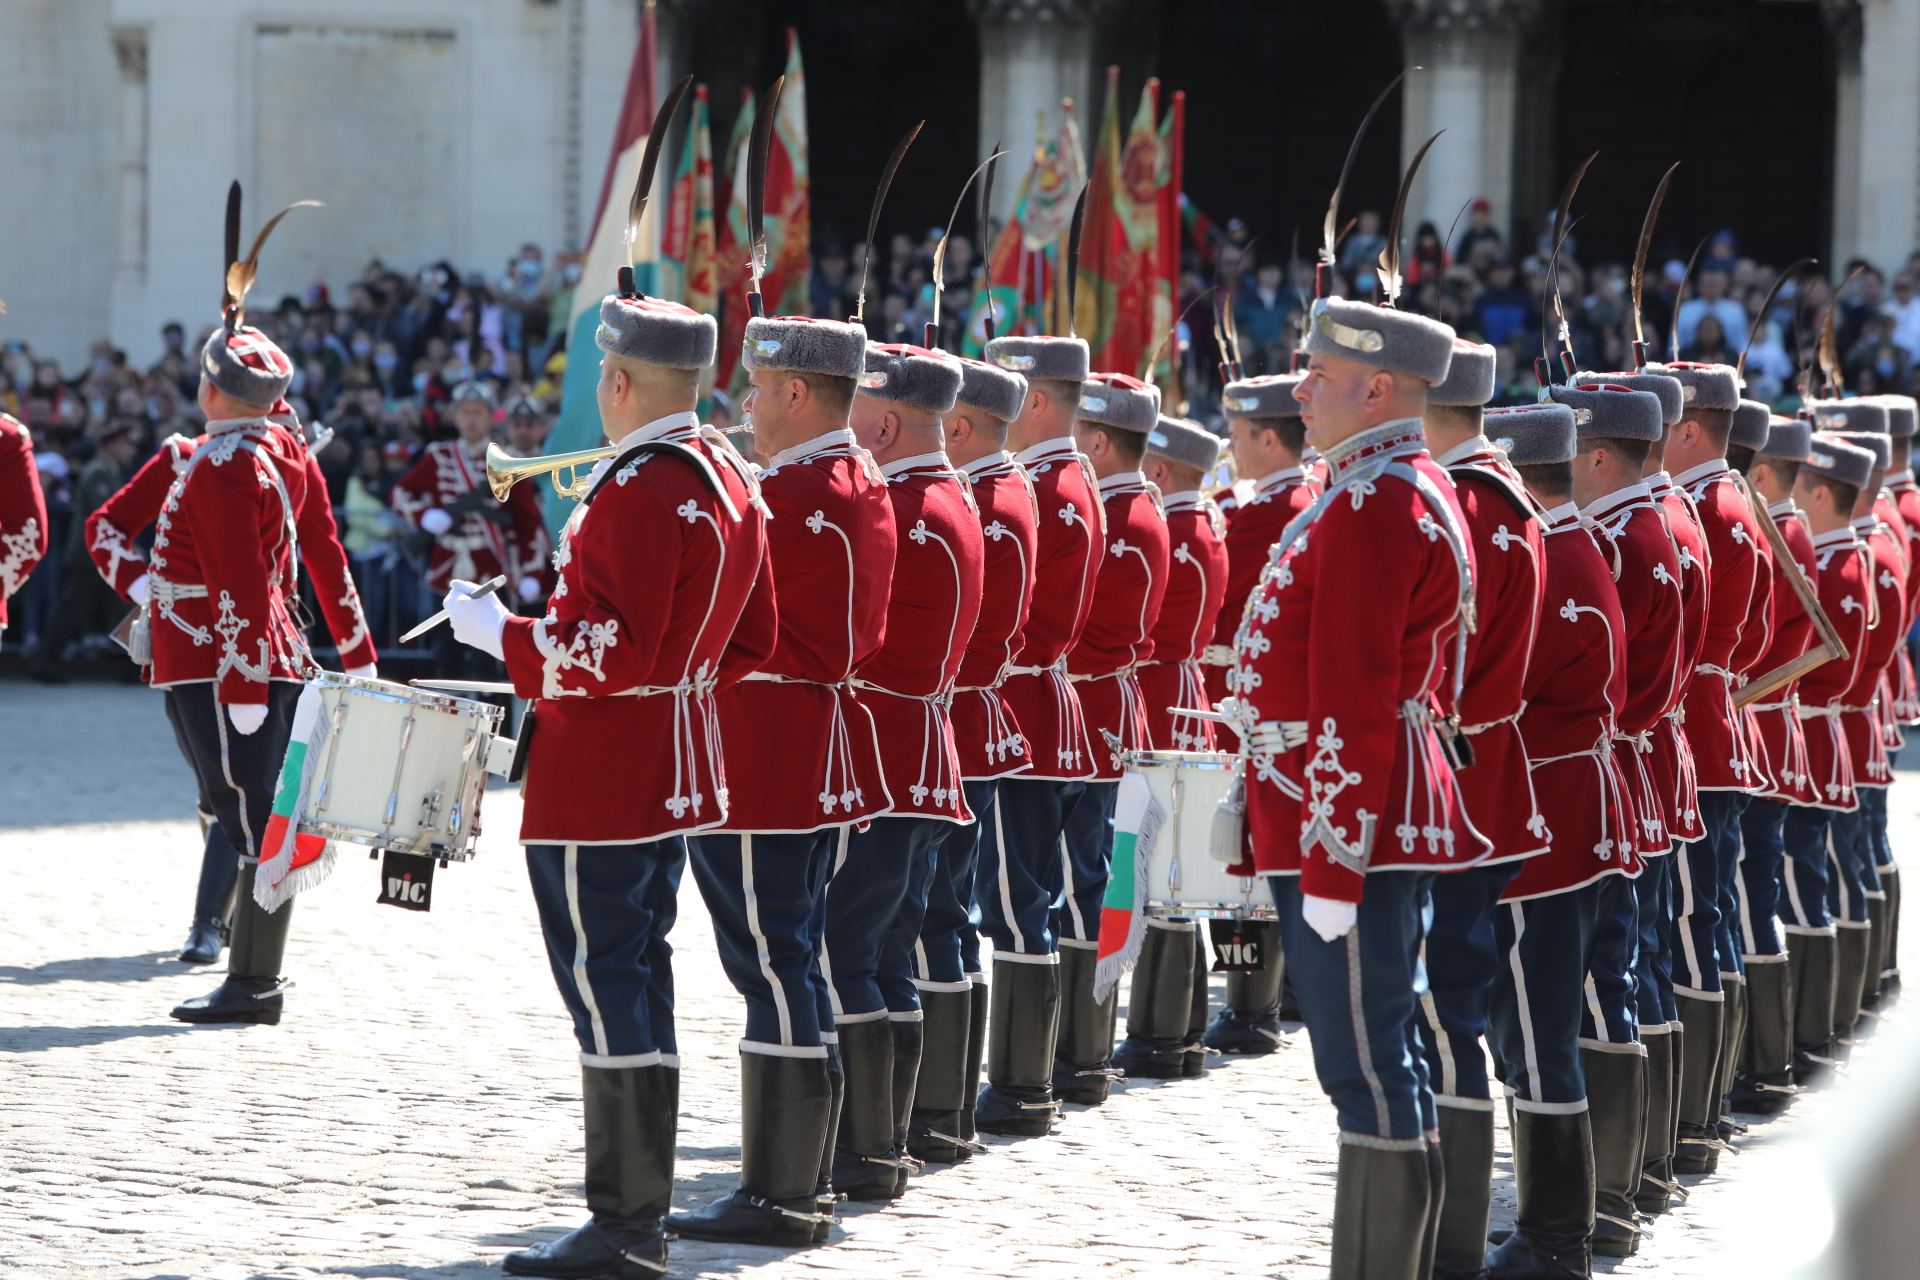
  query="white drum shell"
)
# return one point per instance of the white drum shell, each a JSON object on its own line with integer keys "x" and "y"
{"x": 1183, "y": 878}
{"x": 400, "y": 768}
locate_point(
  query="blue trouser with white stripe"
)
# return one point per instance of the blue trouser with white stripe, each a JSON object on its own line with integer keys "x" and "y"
{"x": 1704, "y": 883}
{"x": 605, "y": 911}
{"x": 876, "y": 901}
{"x": 1462, "y": 958}
{"x": 1086, "y": 854}
{"x": 1762, "y": 850}
{"x": 1533, "y": 1026}
{"x": 948, "y": 950}
{"x": 1610, "y": 1017}
{"x": 1022, "y": 861}
{"x": 1803, "y": 876}
{"x": 1653, "y": 964}
{"x": 767, "y": 896}
{"x": 1853, "y": 874}
{"x": 1359, "y": 995}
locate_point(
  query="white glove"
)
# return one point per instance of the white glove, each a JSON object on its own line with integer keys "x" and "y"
{"x": 1331, "y": 918}
{"x": 529, "y": 588}
{"x": 247, "y": 717}
{"x": 140, "y": 591}
{"x": 369, "y": 672}
{"x": 477, "y": 622}
{"x": 435, "y": 521}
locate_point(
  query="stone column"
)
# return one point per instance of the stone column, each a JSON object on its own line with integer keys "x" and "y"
{"x": 1033, "y": 53}
{"x": 1842, "y": 21}
{"x": 1469, "y": 51}
{"x": 1876, "y": 206}
{"x": 130, "y": 50}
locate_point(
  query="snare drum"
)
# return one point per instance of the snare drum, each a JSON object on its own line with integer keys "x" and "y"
{"x": 1183, "y": 878}
{"x": 399, "y": 768}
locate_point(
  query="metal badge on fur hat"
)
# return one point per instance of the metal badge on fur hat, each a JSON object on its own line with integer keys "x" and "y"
{"x": 1828, "y": 455}
{"x": 1532, "y": 433}
{"x": 1787, "y": 439}
{"x": 1042, "y": 358}
{"x": 1903, "y": 416}
{"x": 1880, "y": 446}
{"x": 1115, "y": 400}
{"x": 911, "y": 376}
{"x": 479, "y": 391}
{"x": 804, "y": 346}
{"x": 1849, "y": 415}
{"x": 1611, "y": 411}
{"x": 989, "y": 389}
{"x": 1704, "y": 386}
{"x": 1397, "y": 341}
{"x": 1751, "y": 422}
{"x": 657, "y": 332}
{"x": 1178, "y": 440}
{"x": 1268, "y": 396}
{"x": 1470, "y": 376}
{"x": 1672, "y": 395}
{"x": 246, "y": 364}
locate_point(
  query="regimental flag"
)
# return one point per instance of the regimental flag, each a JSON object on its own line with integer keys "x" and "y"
{"x": 731, "y": 268}
{"x": 686, "y": 244}
{"x": 1103, "y": 246}
{"x": 1166, "y": 283}
{"x": 1025, "y": 257}
{"x": 1140, "y": 313}
{"x": 291, "y": 860}
{"x": 578, "y": 426}
{"x": 1137, "y": 818}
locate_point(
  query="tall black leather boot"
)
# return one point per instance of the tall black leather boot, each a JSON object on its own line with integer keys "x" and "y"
{"x": 909, "y": 1040}
{"x": 1197, "y": 1010}
{"x": 1159, "y": 1005}
{"x": 1436, "y": 1201}
{"x": 1083, "y": 1067}
{"x": 1811, "y": 964}
{"x": 824, "y": 1195}
{"x": 1018, "y": 1100}
{"x": 213, "y": 898}
{"x": 866, "y": 1164}
{"x": 1553, "y": 1173}
{"x": 1764, "y": 1084}
{"x": 1851, "y": 957}
{"x": 1877, "y": 930}
{"x": 1616, "y": 1109}
{"x": 1656, "y": 1185}
{"x": 1466, "y": 1197}
{"x": 1702, "y": 1026}
{"x": 1733, "y": 1038}
{"x": 1890, "y": 962}
{"x": 1251, "y": 1021}
{"x": 252, "y": 991}
{"x": 785, "y": 1104}
{"x": 979, "y": 1002}
{"x": 941, "y": 1090}
{"x": 1380, "y": 1206}
{"x": 631, "y": 1119}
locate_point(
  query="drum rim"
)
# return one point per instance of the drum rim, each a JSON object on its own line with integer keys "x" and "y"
{"x": 388, "y": 840}
{"x": 1209, "y": 760}
{"x": 1211, "y": 910}
{"x": 408, "y": 695}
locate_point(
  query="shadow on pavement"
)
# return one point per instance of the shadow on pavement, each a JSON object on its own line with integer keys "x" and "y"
{"x": 40, "y": 1039}
{"x": 141, "y": 968}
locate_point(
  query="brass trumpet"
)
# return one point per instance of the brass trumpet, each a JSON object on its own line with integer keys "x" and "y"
{"x": 505, "y": 471}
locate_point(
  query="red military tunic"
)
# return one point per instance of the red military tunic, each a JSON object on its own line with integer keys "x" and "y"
{"x": 1196, "y": 585}
{"x": 1045, "y": 704}
{"x": 800, "y": 747}
{"x": 1576, "y": 684}
{"x": 985, "y": 730}
{"x": 1670, "y": 763}
{"x": 1844, "y": 563}
{"x": 227, "y": 509}
{"x": 1741, "y": 584}
{"x": 475, "y": 548}
{"x": 1646, "y": 575}
{"x": 1868, "y": 748}
{"x": 1346, "y": 644}
{"x": 1509, "y": 561}
{"x": 653, "y": 577}
{"x": 1896, "y": 681}
{"x": 23, "y": 511}
{"x": 1118, "y": 635}
{"x": 1252, "y": 530}
{"x": 931, "y": 610}
{"x": 1789, "y": 776}
{"x": 1906, "y": 499}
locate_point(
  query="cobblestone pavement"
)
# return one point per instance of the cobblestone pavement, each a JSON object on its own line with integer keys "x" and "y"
{"x": 417, "y": 1114}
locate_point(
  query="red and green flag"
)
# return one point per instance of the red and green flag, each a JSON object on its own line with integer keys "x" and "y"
{"x": 1137, "y": 818}
{"x": 290, "y": 859}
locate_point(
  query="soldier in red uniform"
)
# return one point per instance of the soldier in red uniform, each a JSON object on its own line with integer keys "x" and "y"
{"x": 1166, "y": 1008}
{"x": 1764, "y": 1081}
{"x": 1461, "y": 957}
{"x": 231, "y": 510}
{"x": 877, "y": 895}
{"x": 1020, "y": 872}
{"x": 1111, "y": 424}
{"x": 1827, "y": 488}
{"x": 953, "y": 993}
{"x": 1549, "y": 922}
{"x": 660, "y": 604}
{"x": 803, "y": 769}
{"x": 1351, "y": 800}
{"x": 23, "y": 511}
{"x": 1267, "y": 438}
{"x": 1903, "y": 420}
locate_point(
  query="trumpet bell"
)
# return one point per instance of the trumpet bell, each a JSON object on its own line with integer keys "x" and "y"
{"x": 505, "y": 471}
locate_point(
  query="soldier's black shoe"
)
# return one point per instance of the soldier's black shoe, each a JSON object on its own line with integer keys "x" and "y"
{"x": 1698, "y": 1149}
{"x": 1015, "y": 1111}
{"x": 1152, "y": 1059}
{"x": 1762, "y": 1095}
{"x": 869, "y": 1179}
{"x": 204, "y": 942}
{"x": 591, "y": 1252}
{"x": 1233, "y": 1032}
{"x": 744, "y": 1218}
{"x": 1196, "y": 1064}
{"x": 1518, "y": 1258}
{"x": 1088, "y": 1085}
{"x": 236, "y": 1000}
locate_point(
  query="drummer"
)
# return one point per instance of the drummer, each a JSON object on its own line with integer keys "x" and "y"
{"x": 658, "y": 565}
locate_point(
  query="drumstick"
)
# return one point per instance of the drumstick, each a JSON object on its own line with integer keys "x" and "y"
{"x": 1214, "y": 716}
{"x": 485, "y": 589}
